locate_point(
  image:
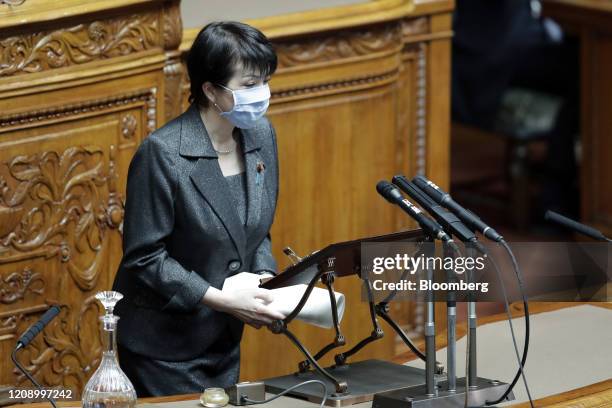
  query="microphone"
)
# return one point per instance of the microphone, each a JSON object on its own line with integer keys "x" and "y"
{"x": 36, "y": 328}
{"x": 448, "y": 220}
{"x": 444, "y": 199}
{"x": 576, "y": 226}
{"x": 393, "y": 195}
{"x": 27, "y": 337}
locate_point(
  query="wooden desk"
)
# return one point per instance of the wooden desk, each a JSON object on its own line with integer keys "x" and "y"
{"x": 591, "y": 22}
{"x": 595, "y": 395}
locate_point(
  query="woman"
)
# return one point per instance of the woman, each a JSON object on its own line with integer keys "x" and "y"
{"x": 201, "y": 196}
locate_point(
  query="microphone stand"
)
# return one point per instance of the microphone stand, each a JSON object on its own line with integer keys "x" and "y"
{"x": 28, "y": 375}
{"x": 25, "y": 340}
{"x": 451, "y": 327}
{"x": 432, "y": 366}
{"x": 472, "y": 373}
{"x": 430, "y": 329}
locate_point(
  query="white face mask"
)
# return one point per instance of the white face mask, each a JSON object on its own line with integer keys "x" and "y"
{"x": 250, "y": 105}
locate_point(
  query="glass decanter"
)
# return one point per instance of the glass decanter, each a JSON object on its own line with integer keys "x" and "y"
{"x": 109, "y": 387}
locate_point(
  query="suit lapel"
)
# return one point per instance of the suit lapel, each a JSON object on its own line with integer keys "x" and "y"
{"x": 211, "y": 183}
{"x": 208, "y": 178}
{"x": 255, "y": 169}
{"x": 255, "y": 172}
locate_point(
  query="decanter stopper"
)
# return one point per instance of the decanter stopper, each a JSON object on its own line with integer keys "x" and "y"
{"x": 109, "y": 299}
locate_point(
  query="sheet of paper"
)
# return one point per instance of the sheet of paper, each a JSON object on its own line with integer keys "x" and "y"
{"x": 316, "y": 311}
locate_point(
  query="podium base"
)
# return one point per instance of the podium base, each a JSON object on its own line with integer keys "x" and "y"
{"x": 364, "y": 379}
{"x": 415, "y": 397}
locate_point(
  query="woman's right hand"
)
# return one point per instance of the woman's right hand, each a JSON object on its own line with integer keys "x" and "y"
{"x": 247, "y": 305}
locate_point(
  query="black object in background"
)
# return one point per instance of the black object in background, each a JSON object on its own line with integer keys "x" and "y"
{"x": 576, "y": 226}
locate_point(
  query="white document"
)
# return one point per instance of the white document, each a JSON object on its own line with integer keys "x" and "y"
{"x": 316, "y": 311}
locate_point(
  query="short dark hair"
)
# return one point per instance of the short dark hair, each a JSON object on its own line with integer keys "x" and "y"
{"x": 218, "y": 47}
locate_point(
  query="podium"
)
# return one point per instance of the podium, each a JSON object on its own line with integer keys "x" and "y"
{"x": 388, "y": 385}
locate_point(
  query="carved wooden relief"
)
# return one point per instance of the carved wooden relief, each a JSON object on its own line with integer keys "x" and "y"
{"x": 176, "y": 76}
{"x": 368, "y": 42}
{"x": 128, "y": 126}
{"x": 16, "y": 285}
{"x": 420, "y": 120}
{"x": 61, "y": 217}
{"x": 174, "y": 71}
{"x": 78, "y": 44}
{"x": 68, "y": 351}
{"x": 60, "y": 210}
{"x": 338, "y": 45}
{"x": 332, "y": 87}
{"x": 39, "y": 117}
{"x": 77, "y": 96}
{"x": 172, "y": 25}
{"x": 411, "y": 27}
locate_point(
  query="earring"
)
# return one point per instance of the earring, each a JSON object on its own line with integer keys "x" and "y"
{"x": 218, "y": 107}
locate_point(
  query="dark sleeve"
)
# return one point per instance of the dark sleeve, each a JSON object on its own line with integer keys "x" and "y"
{"x": 148, "y": 222}
{"x": 263, "y": 261}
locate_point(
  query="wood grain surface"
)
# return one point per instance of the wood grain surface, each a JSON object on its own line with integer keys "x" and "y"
{"x": 361, "y": 94}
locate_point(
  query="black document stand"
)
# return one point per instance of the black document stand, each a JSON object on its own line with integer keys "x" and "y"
{"x": 339, "y": 260}
{"x": 389, "y": 385}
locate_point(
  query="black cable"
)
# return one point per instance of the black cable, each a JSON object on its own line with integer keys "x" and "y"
{"x": 521, "y": 361}
{"x": 321, "y": 383}
{"x": 27, "y": 374}
{"x": 405, "y": 339}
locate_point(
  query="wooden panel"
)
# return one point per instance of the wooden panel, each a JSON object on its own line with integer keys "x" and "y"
{"x": 334, "y": 148}
{"x": 62, "y": 208}
{"x": 597, "y": 143}
{"x": 77, "y": 96}
{"x": 591, "y": 22}
{"x": 350, "y": 107}
{"x": 329, "y": 166}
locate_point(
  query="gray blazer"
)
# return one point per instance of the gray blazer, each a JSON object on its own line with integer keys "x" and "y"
{"x": 182, "y": 234}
